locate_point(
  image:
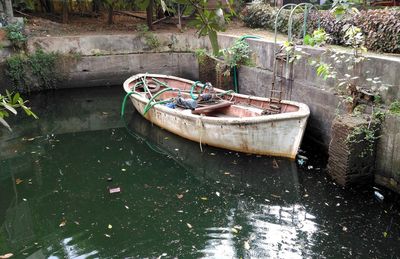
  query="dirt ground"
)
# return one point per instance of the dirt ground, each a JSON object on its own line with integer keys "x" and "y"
{"x": 78, "y": 25}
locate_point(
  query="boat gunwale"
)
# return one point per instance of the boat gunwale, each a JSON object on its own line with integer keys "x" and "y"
{"x": 302, "y": 113}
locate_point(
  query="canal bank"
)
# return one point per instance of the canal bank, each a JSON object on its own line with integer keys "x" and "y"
{"x": 109, "y": 59}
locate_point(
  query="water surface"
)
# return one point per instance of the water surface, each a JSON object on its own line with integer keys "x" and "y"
{"x": 174, "y": 201}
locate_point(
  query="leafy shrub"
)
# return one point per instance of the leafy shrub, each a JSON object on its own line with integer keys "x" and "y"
{"x": 35, "y": 71}
{"x": 16, "y": 35}
{"x": 394, "y": 107}
{"x": 381, "y": 27}
{"x": 238, "y": 54}
{"x": 263, "y": 16}
{"x": 150, "y": 38}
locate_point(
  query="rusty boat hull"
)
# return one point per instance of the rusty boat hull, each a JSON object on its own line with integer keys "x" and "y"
{"x": 240, "y": 126}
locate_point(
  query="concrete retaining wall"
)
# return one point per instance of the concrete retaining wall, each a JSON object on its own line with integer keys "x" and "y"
{"x": 388, "y": 154}
{"x": 110, "y": 59}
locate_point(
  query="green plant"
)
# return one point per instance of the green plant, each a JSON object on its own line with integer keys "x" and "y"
{"x": 201, "y": 55}
{"x": 381, "y": 27}
{"x": 209, "y": 22}
{"x": 150, "y": 38}
{"x": 238, "y": 54}
{"x": 318, "y": 38}
{"x": 394, "y": 107}
{"x": 9, "y": 103}
{"x": 366, "y": 135}
{"x": 16, "y": 35}
{"x": 34, "y": 71}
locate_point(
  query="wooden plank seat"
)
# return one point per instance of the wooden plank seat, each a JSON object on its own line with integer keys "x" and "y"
{"x": 211, "y": 108}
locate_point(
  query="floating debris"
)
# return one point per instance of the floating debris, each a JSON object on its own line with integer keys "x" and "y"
{"x": 63, "y": 223}
{"x": 109, "y": 226}
{"x": 5, "y": 256}
{"x": 246, "y": 245}
{"x": 379, "y": 196}
{"x": 276, "y": 196}
{"x": 18, "y": 181}
{"x": 275, "y": 164}
{"x": 188, "y": 225}
{"x": 217, "y": 193}
{"x": 115, "y": 190}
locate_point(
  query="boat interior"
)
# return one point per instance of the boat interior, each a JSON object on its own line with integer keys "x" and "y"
{"x": 209, "y": 101}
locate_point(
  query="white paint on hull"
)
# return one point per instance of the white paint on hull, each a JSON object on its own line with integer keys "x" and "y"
{"x": 277, "y": 135}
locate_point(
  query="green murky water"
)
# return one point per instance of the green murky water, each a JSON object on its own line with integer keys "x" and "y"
{"x": 174, "y": 201}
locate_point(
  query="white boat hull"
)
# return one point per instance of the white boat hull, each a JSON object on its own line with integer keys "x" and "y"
{"x": 275, "y": 135}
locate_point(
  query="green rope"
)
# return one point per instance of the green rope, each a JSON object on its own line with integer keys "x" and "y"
{"x": 235, "y": 80}
{"x": 124, "y": 102}
{"x": 161, "y": 83}
{"x": 192, "y": 89}
{"x": 150, "y": 104}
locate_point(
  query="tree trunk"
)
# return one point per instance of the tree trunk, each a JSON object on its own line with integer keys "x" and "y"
{"x": 49, "y": 6}
{"x": 96, "y": 6}
{"x": 149, "y": 11}
{"x": 110, "y": 14}
{"x": 65, "y": 11}
{"x": 8, "y": 9}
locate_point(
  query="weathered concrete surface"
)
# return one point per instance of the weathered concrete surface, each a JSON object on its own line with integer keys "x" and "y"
{"x": 116, "y": 44}
{"x": 115, "y": 69}
{"x": 388, "y": 154}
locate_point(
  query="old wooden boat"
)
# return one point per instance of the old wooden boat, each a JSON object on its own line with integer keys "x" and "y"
{"x": 219, "y": 118}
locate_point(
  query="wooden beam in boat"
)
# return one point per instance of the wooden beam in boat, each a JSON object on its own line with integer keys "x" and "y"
{"x": 211, "y": 108}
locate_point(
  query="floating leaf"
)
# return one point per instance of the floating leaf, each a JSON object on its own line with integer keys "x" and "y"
{"x": 238, "y": 227}
{"x": 179, "y": 196}
{"x": 385, "y": 234}
{"x": 126, "y": 207}
{"x": 234, "y": 230}
{"x": 246, "y": 245}
{"x": 63, "y": 223}
{"x": 188, "y": 225}
{"x": 5, "y": 256}
{"x": 18, "y": 181}
{"x": 107, "y": 235}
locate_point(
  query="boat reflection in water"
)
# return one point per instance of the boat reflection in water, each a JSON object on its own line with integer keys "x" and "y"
{"x": 266, "y": 190}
